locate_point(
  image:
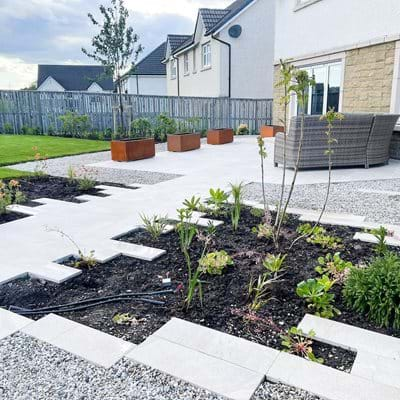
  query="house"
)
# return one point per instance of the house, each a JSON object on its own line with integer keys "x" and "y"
{"x": 82, "y": 78}
{"x": 148, "y": 76}
{"x": 229, "y": 54}
{"x": 352, "y": 49}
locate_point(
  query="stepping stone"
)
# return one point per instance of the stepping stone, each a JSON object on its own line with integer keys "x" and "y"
{"x": 136, "y": 250}
{"x": 54, "y": 272}
{"x": 90, "y": 344}
{"x": 220, "y": 345}
{"x": 11, "y": 322}
{"x": 369, "y": 238}
{"x": 88, "y": 197}
{"x": 355, "y": 221}
{"x": 377, "y": 368}
{"x": 350, "y": 337}
{"x": 326, "y": 382}
{"x": 197, "y": 368}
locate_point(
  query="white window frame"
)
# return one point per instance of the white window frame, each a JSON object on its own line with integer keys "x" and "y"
{"x": 186, "y": 64}
{"x": 194, "y": 61}
{"x": 173, "y": 68}
{"x": 293, "y": 105}
{"x": 206, "y": 55}
{"x": 300, "y": 4}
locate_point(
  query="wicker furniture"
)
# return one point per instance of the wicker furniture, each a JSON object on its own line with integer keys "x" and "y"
{"x": 362, "y": 139}
{"x": 395, "y": 145}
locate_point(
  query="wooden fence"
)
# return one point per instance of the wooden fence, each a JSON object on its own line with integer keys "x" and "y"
{"x": 42, "y": 110}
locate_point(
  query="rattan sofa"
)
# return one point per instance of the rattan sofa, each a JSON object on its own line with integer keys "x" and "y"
{"x": 362, "y": 139}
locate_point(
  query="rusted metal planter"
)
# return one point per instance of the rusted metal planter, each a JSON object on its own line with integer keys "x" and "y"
{"x": 219, "y": 136}
{"x": 132, "y": 149}
{"x": 183, "y": 142}
{"x": 270, "y": 130}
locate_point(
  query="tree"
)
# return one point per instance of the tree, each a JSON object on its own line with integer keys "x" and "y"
{"x": 32, "y": 86}
{"x": 115, "y": 44}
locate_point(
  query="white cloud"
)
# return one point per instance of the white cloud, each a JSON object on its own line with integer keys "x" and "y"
{"x": 15, "y": 73}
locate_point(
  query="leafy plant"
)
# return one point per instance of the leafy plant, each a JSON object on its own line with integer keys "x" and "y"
{"x": 263, "y": 231}
{"x": 375, "y": 290}
{"x": 296, "y": 342}
{"x": 380, "y": 234}
{"x": 217, "y": 200}
{"x": 123, "y": 319}
{"x": 74, "y": 124}
{"x": 140, "y": 127}
{"x": 237, "y": 194}
{"x": 40, "y": 163}
{"x": 274, "y": 264}
{"x": 333, "y": 266}
{"x": 164, "y": 126}
{"x": 316, "y": 293}
{"x": 257, "y": 212}
{"x": 154, "y": 225}
{"x": 10, "y": 193}
{"x": 259, "y": 290}
{"x": 84, "y": 176}
{"x": 71, "y": 174}
{"x": 214, "y": 263}
{"x": 193, "y": 203}
{"x": 317, "y": 235}
{"x": 242, "y": 129}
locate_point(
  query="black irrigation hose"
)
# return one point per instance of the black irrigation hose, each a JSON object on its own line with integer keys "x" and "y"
{"x": 84, "y": 304}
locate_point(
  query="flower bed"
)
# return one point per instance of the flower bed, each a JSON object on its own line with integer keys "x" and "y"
{"x": 225, "y": 303}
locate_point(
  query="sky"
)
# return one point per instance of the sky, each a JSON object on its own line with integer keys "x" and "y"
{"x": 54, "y": 31}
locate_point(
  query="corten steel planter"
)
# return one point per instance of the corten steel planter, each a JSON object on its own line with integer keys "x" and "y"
{"x": 219, "y": 136}
{"x": 132, "y": 149}
{"x": 270, "y": 130}
{"x": 183, "y": 142}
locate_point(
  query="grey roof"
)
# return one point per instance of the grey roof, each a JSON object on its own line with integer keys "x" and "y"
{"x": 176, "y": 41}
{"x": 76, "y": 77}
{"x": 151, "y": 64}
{"x": 211, "y": 16}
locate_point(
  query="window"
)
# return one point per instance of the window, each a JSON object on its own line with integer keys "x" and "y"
{"x": 326, "y": 92}
{"x": 173, "y": 68}
{"x": 194, "y": 61}
{"x": 206, "y": 55}
{"x": 186, "y": 64}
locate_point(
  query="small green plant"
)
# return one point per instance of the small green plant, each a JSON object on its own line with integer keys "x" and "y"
{"x": 274, "y": 264}
{"x": 73, "y": 124}
{"x": 154, "y": 225}
{"x": 123, "y": 319}
{"x": 85, "y": 179}
{"x": 237, "y": 194}
{"x": 294, "y": 341}
{"x": 374, "y": 290}
{"x": 217, "y": 200}
{"x": 242, "y": 129}
{"x": 71, "y": 174}
{"x": 193, "y": 203}
{"x": 40, "y": 163}
{"x": 259, "y": 291}
{"x": 257, "y": 212}
{"x": 333, "y": 266}
{"x": 317, "y": 295}
{"x": 380, "y": 234}
{"x": 10, "y": 193}
{"x": 263, "y": 231}
{"x": 214, "y": 263}
{"x": 317, "y": 235}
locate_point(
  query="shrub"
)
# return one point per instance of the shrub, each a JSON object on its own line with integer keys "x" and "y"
{"x": 8, "y": 129}
{"x": 73, "y": 124}
{"x": 10, "y": 193}
{"x": 214, "y": 263}
{"x": 164, "y": 126}
{"x": 140, "y": 127}
{"x": 375, "y": 290}
{"x": 242, "y": 129}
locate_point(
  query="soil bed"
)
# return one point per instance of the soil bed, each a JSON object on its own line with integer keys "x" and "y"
{"x": 225, "y": 296}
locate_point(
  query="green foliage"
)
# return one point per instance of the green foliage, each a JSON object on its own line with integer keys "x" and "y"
{"x": 257, "y": 212}
{"x": 164, "y": 126}
{"x": 333, "y": 266}
{"x": 193, "y": 203}
{"x": 263, "y": 231}
{"x": 215, "y": 263}
{"x": 7, "y": 129}
{"x": 242, "y": 129}
{"x": 317, "y": 235}
{"x": 217, "y": 200}
{"x": 259, "y": 290}
{"x": 236, "y": 209}
{"x": 84, "y": 177}
{"x": 123, "y": 319}
{"x": 375, "y": 290}
{"x": 189, "y": 125}
{"x": 74, "y": 125}
{"x": 294, "y": 341}
{"x": 154, "y": 225}
{"x": 380, "y": 234}
{"x": 10, "y": 193}
{"x": 274, "y": 264}
{"x": 141, "y": 127}
{"x": 317, "y": 295}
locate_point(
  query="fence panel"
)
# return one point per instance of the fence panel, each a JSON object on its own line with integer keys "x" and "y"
{"x": 42, "y": 110}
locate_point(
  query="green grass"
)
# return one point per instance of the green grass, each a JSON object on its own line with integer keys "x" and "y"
{"x": 6, "y": 173}
{"x": 18, "y": 148}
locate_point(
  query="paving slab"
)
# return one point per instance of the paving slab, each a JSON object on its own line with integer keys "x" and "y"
{"x": 220, "y": 345}
{"x": 213, "y": 374}
{"x": 90, "y": 344}
{"x": 377, "y": 368}
{"x": 22, "y": 209}
{"x": 369, "y": 238}
{"x": 55, "y": 272}
{"x": 11, "y": 322}
{"x": 137, "y": 251}
{"x": 350, "y": 337}
{"x": 326, "y": 382}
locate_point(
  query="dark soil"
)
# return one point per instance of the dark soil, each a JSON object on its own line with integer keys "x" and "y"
{"x": 47, "y": 186}
{"x": 225, "y": 296}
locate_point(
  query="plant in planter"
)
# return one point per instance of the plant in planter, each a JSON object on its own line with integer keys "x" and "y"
{"x": 132, "y": 149}
{"x": 140, "y": 127}
{"x": 164, "y": 126}
{"x": 242, "y": 129}
{"x": 219, "y": 136}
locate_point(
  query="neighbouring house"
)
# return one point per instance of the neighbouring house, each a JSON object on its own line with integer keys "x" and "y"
{"x": 148, "y": 76}
{"x": 352, "y": 48}
{"x": 229, "y": 54}
{"x": 82, "y": 78}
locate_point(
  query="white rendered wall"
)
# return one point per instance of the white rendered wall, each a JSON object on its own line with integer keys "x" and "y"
{"x": 152, "y": 85}
{"x": 327, "y": 25}
{"x": 50, "y": 85}
{"x": 252, "y": 52}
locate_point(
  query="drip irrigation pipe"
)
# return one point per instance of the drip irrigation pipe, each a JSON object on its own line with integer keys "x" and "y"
{"x": 84, "y": 304}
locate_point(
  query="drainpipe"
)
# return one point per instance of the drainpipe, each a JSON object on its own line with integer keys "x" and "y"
{"x": 137, "y": 84}
{"x": 177, "y": 74}
{"x": 230, "y": 62}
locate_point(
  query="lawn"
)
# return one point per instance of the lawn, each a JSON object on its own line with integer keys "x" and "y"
{"x": 18, "y": 148}
{"x": 6, "y": 173}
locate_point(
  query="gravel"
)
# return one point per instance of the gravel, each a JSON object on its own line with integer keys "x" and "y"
{"x": 34, "y": 370}
{"x": 347, "y": 197}
{"x": 59, "y": 167}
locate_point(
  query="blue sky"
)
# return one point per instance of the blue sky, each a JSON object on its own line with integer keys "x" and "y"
{"x": 53, "y": 31}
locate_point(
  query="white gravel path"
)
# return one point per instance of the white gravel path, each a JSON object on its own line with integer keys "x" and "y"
{"x": 33, "y": 370}
{"x": 348, "y": 197}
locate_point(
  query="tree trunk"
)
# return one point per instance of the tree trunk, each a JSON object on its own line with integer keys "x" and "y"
{"x": 121, "y": 105}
